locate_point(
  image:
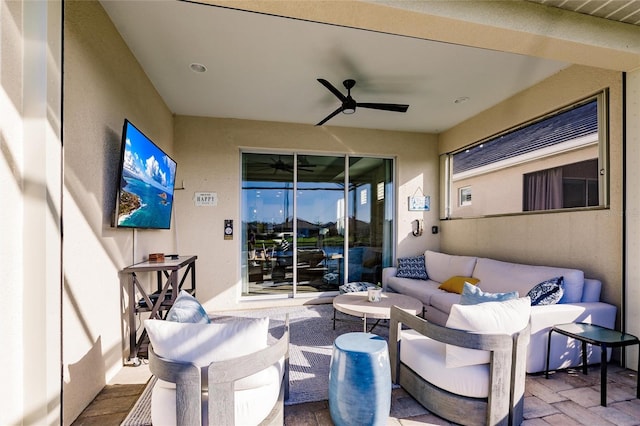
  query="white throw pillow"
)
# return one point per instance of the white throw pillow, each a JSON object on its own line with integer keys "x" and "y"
{"x": 505, "y": 317}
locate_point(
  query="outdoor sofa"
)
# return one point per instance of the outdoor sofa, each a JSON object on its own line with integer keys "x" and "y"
{"x": 580, "y": 300}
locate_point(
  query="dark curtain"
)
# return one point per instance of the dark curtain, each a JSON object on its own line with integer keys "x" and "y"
{"x": 543, "y": 190}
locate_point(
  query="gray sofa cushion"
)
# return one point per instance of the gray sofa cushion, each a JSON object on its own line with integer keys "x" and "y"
{"x": 420, "y": 289}
{"x": 444, "y": 300}
{"x": 497, "y": 276}
{"x": 441, "y": 266}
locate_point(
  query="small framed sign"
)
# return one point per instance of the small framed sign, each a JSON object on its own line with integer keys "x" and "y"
{"x": 419, "y": 203}
{"x": 205, "y": 199}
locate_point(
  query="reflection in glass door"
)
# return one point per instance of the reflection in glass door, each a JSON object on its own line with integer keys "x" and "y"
{"x": 370, "y": 218}
{"x": 267, "y": 222}
{"x": 319, "y": 212}
{"x": 294, "y": 210}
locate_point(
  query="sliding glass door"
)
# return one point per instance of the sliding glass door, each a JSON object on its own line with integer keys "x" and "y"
{"x": 311, "y": 223}
{"x": 267, "y": 222}
{"x": 370, "y": 210}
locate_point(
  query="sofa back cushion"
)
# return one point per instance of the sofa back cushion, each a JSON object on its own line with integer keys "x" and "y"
{"x": 497, "y": 276}
{"x": 441, "y": 266}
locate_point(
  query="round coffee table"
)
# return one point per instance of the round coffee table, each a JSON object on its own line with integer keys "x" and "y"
{"x": 357, "y": 304}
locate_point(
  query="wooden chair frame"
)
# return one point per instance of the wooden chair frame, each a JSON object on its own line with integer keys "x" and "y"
{"x": 220, "y": 382}
{"x": 507, "y": 369}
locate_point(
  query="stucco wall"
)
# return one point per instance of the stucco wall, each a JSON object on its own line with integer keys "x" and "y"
{"x": 11, "y": 219}
{"x": 588, "y": 240}
{"x": 103, "y": 84}
{"x": 208, "y": 155}
{"x": 632, "y": 240}
{"x": 30, "y": 212}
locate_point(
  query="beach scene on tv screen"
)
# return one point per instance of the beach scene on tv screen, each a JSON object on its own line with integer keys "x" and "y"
{"x": 146, "y": 185}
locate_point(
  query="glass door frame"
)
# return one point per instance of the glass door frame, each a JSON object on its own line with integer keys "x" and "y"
{"x": 295, "y": 293}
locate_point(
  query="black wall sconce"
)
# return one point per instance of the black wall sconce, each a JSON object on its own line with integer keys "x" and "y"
{"x": 417, "y": 227}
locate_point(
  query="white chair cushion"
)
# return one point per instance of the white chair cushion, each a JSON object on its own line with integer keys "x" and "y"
{"x": 251, "y": 405}
{"x": 505, "y": 317}
{"x": 202, "y": 344}
{"x": 427, "y": 357}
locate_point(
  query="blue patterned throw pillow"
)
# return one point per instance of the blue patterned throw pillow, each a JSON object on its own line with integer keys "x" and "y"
{"x": 412, "y": 267}
{"x": 548, "y": 292}
{"x": 472, "y": 295}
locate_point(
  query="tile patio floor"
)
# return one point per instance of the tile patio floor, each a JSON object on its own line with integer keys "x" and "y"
{"x": 567, "y": 398}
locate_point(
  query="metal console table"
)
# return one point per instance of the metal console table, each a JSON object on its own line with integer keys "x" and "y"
{"x": 169, "y": 284}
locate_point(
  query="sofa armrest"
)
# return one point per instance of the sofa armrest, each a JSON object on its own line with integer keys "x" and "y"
{"x": 564, "y": 353}
{"x": 386, "y": 273}
{"x": 591, "y": 291}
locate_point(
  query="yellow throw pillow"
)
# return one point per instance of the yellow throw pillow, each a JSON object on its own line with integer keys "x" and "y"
{"x": 456, "y": 284}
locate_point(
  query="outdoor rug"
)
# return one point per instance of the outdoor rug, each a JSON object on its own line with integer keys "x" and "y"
{"x": 311, "y": 344}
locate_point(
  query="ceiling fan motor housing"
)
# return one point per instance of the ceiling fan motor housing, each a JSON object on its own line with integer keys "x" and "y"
{"x": 349, "y": 105}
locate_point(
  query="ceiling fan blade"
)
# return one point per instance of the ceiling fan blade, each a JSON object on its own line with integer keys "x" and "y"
{"x": 385, "y": 107}
{"x": 332, "y": 89}
{"x": 330, "y": 116}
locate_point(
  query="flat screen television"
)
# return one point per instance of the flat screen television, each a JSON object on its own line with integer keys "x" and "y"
{"x": 146, "y": 180}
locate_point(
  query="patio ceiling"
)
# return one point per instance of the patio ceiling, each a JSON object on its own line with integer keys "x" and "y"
{"x": 261, "y": 66}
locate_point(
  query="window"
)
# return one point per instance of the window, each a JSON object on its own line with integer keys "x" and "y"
{"x": 465, "y": 196}
{"x": 570, "y": 186}
{"x": 555, "y": 162}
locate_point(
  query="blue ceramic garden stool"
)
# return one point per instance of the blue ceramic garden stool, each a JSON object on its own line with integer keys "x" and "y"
{"x": 359, "y": 380}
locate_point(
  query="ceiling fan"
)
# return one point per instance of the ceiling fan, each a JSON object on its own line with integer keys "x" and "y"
{"x": 280, "y": 165}
{"x": 349, "y": 104}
